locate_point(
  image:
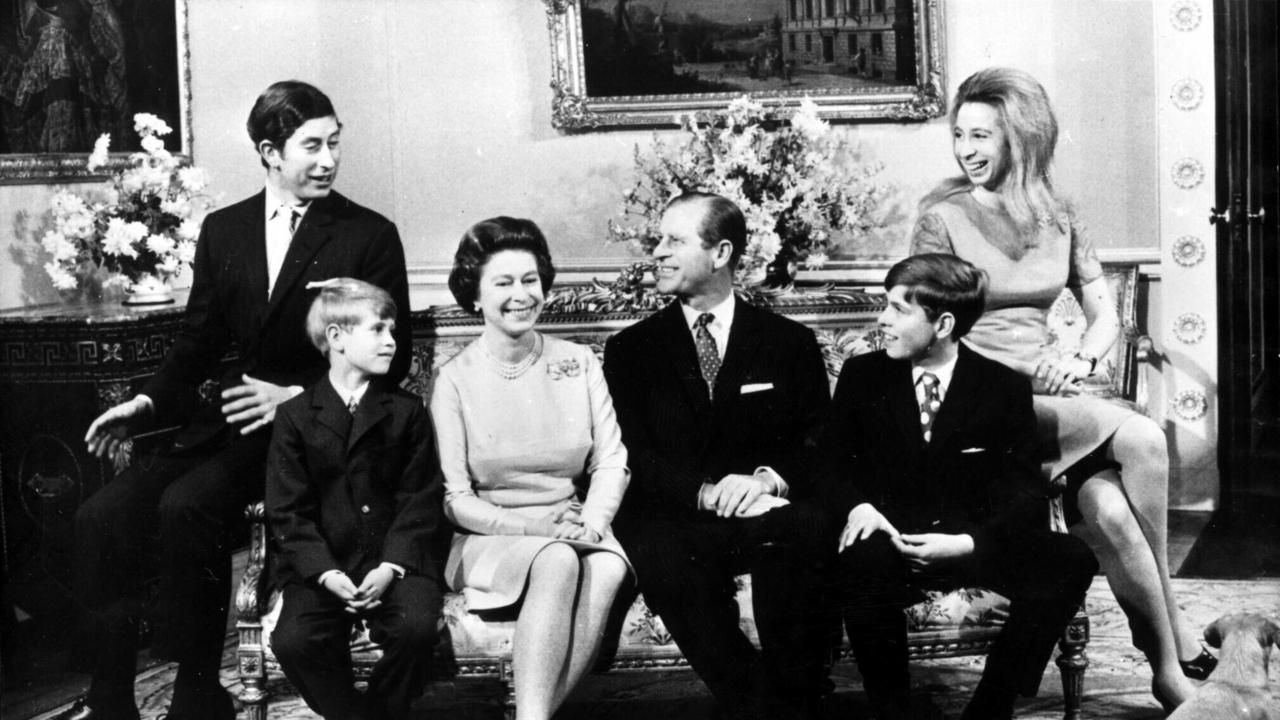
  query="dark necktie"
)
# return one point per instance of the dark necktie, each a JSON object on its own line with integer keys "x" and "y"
{"x": 929, "y": 407}
{"x": 708, "y": 356}
{"x": 295, "y": 217}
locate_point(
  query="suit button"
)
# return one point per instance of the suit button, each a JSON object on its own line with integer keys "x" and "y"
{"x": 364, "y": 509}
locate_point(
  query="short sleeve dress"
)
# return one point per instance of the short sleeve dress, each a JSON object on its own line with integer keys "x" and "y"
{"x": 1026, "y": 275}
{"x": 516, "y": 452}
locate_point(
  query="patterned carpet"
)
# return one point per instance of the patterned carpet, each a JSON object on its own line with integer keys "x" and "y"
{"x": 1116, "y": 684}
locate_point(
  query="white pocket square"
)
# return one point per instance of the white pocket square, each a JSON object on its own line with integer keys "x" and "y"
{"x": 755, "y": 388}
{"x": 968, "y": 451}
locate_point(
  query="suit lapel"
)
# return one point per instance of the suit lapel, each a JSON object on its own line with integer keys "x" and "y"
{"x": 963, "y": 396}
{"x": 744, "y": 338}
{"x": 330, "y": 412}
{"x": 373, "y": 408}
{"x": 312, "y": 234}
{"x": 682, "y": 357}
{"x": 904, "y": 408}
{"x": 254, "y": 230}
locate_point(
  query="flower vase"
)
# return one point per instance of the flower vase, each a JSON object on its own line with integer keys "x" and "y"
{"x": 148, "y": 290}
{"x": 780, "y": 274}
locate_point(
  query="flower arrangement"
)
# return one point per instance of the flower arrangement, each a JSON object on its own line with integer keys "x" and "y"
{"x": 140, "y": 229}
{"x": 803, "y": 188}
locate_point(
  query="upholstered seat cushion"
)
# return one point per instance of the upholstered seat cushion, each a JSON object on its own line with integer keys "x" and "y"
{"x": 644, "y": 635}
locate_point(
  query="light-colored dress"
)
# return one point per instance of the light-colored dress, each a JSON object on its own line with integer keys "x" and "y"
{"x": 517, "y": 452}
{"x": 1025, "y": 279}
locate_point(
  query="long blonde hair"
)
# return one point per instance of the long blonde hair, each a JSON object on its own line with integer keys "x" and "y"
{"x": 1031, "y": 131}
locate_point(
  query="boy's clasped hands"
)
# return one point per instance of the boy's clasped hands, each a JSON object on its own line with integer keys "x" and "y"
{"x": 366, "y": 596}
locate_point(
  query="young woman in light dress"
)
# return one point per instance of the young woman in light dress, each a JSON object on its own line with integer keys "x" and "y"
{"x": 1004, "y": 215}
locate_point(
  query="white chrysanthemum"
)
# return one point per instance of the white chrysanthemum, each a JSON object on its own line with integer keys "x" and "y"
{"x": 148, "y": 124}
{"x": 160, "y": 244}
{"x": 189, "y": 229}
{"x": 61, "y": 277}
{"x": 806, "y": 120}
{"x": 77, "y": 225}
{"x": 193, "y": 179}
{"x": 57, "y": 245}
{"x": 179, "y": 207}
{"x": 185, "y": 252}
{"x": 152, "y": 144}
{"x": 815, "y": 260}
{"x": 101, "y": 152}
{"x": 168, "y": 266}
{"x": 120, "y": 237}
{"x": 64, "y": 203}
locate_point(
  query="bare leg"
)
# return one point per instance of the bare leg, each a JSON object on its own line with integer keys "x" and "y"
{"x": 1141, "y": 449}
{"x": 602, "y": 575}
{"x": 1110, "y": 529}
{"x": 541, "y": 644}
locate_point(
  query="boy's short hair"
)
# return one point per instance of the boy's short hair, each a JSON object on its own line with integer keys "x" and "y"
{"x": 942, "y": 283}
{"x": 341, "y": 301}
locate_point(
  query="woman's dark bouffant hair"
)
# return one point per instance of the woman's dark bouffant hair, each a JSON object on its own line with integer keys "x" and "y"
{"x": 487, "y": 238}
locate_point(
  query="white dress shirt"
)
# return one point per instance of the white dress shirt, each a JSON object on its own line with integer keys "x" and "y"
{"x": 719, "y": 328}
{"x": 279, "y": 235}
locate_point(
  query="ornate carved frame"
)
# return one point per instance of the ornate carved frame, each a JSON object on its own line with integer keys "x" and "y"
{"x": 60, "y": 167}
{"x": 573, "y": 110}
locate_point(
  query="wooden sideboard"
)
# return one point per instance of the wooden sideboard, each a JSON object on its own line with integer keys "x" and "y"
{"x": 61, "y": 365}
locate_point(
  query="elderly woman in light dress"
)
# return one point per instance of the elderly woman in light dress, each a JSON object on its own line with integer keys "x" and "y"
{"x": 534, "y": 467}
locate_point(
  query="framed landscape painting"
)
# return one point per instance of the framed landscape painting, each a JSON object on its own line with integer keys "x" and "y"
{"x": 71, "y": 70}
{"x": 626, "y": 63}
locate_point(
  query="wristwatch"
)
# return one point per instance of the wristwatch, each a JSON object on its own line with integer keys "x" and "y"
{"x": 1093, "y": 361}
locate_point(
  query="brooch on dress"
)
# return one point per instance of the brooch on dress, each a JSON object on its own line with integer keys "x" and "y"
{"x": 563, "y": 368}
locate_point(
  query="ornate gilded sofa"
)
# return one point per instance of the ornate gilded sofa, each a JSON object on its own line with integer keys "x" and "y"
{"x": 963, "y": 622}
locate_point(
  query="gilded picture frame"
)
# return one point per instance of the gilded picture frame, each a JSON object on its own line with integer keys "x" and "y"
{"x": 635, "y": 63}
{"x": 104, "y": 62}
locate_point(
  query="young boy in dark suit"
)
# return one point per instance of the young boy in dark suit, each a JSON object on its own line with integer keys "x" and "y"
{"x": 352, "y": 501}
{"x": 931, "y": 467}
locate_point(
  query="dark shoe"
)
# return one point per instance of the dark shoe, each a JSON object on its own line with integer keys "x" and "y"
{"x": 1199, "y": 667}
{"x": 81, "y": 711}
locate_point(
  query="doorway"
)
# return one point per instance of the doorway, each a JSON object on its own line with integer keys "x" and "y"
{"x": 1248, "y": 254}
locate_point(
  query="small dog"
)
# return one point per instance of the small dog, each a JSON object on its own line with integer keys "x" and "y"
{"x": 1237, "y": 689}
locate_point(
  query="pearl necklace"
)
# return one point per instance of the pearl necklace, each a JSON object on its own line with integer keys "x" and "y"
{"x": 511, "y": 371}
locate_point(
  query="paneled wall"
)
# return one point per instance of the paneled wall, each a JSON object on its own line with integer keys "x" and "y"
{"x": 446, "y": 109}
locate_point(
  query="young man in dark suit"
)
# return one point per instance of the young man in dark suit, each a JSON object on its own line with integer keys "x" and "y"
{"x": 716, "y": 399}
{"x": 931, "y": 468}
{"x": 253, "y": 262}
{"x": 353, "y": 498}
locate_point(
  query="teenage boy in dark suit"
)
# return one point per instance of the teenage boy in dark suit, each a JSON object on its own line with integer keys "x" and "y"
{"x": 931, "y": 469}
{"x": 352, "y": 503}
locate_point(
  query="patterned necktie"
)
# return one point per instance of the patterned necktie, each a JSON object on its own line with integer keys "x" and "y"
{"x": 708, "y": 356}
{"x": 929, "y": 407}
{"x": 352, "y": 405}
{"x": 295, "y": 217}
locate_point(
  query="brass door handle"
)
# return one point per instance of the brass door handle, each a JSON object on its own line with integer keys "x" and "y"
{"x": 1258, "y": 217}
{"x": 1216, "y": 217}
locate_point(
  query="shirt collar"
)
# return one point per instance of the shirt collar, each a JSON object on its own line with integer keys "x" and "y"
{"x": 943, "y": 373}
{"x": 723, "y": 313}
{"x": 274, "y": 204}
{"x": 347, "y": 396}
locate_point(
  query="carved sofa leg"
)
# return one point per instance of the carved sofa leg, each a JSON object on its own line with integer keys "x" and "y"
{"x": 508, "y": 689}
{"x": 251, "y": 600}
{"x": 252, "y": 668}
{"x": 1072, "y": 662}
